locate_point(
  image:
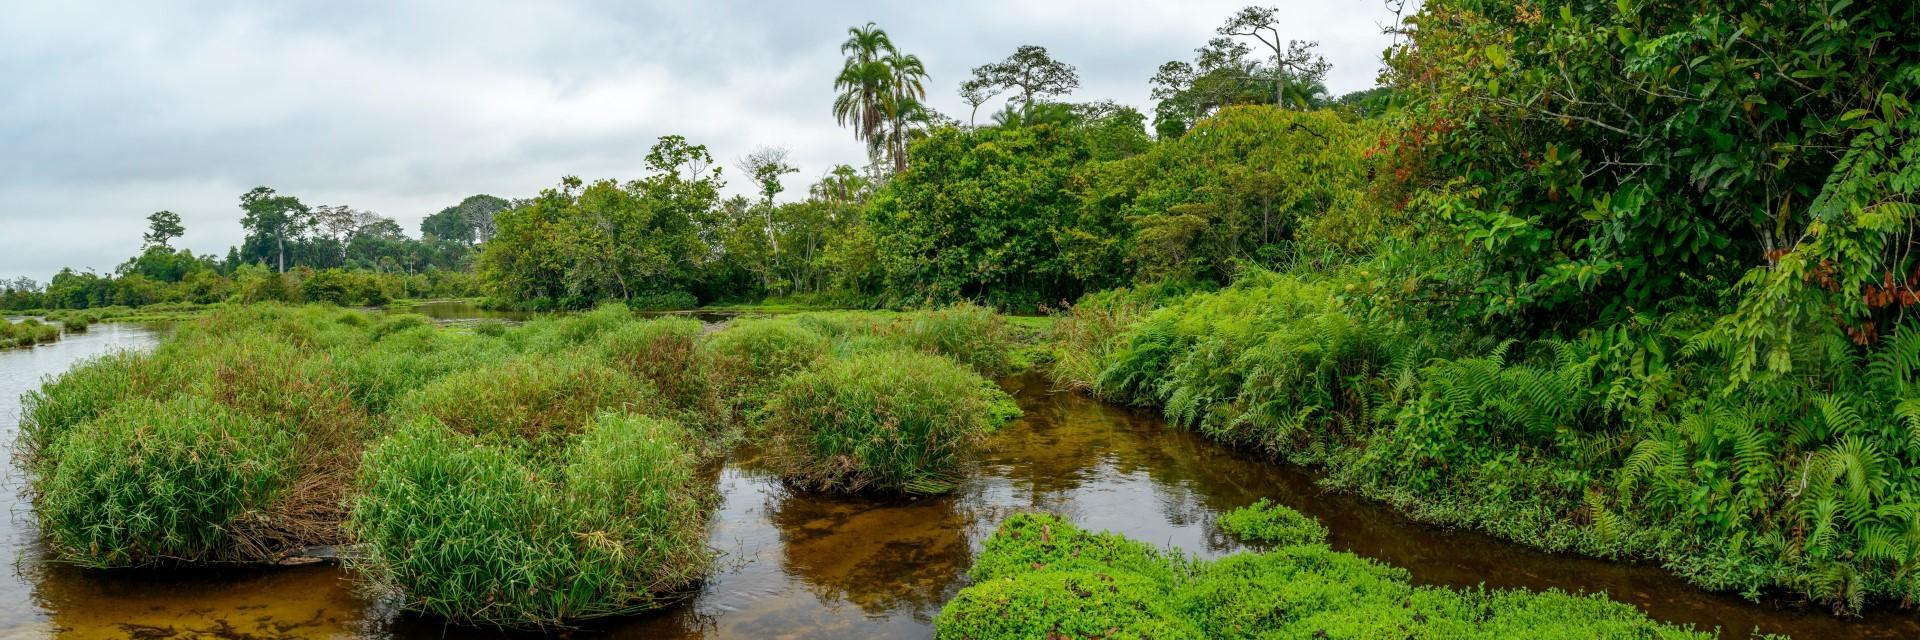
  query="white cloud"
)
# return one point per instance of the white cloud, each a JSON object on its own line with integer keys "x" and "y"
{"x": 112, "y": 110}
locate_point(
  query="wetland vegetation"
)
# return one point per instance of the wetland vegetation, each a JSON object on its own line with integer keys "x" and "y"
{"x": 1626, "y": 280}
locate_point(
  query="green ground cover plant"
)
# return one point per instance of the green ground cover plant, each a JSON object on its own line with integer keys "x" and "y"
{"x": 1040, "y": 576}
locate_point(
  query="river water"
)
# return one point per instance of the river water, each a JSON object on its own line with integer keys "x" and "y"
{"x": 808, "y": 565}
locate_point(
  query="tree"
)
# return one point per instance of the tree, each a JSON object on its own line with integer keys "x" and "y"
{"x": 274, "y": 218}
{"x": 865, "y": 84}
{"x": 162, "y": 228}
{"x": 976, "y": 92}
{"x": 1030, "y": 71}
{"x": 471, "y": 221}
{"x": 765, "y": 165}
{"x": 1295, "y": 57}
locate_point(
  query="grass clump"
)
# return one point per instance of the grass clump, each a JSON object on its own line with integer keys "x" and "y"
{"x": 26, "y": 333}
{"x": 1041, "y": 576}
{"x": 1270, "y": 523}
{"x": 669, "y": 354}
{"x": 532, "y": 398}
{"x": 751, "y": 355}
{"x": 612, "y": 523}
{"x": 885, "y": 420}
{"x": 161, "y": 481}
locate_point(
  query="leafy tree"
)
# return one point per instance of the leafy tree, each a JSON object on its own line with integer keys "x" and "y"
{"x": 976, "y": 92}
{"x": 1030, "y": 71}
{"x": 469, "y": 221}
{"x": 162, "y": 228}
{"x": 273, "y": 218}
{"x": 866, "y": 85}
{"x": 1294, "y": 58}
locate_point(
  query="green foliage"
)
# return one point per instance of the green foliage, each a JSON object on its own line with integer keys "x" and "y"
{"x": 669, "y": 354}
{"x": 753, "y": 354}
{"x": 990, "y": 215}
{"x": 152, "y": 482}
{"x": 1270, "y": 523}
{"x": 26, "y": 333}
{"x": 572, "y": 246}
{"x": 1040, "y": 575}
{"x": 479, "y": 532}
{"x": 884, "y": 420}
{"x": 537, "y": 400}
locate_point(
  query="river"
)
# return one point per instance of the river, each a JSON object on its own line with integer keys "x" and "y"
{"x": 808, "y": 565}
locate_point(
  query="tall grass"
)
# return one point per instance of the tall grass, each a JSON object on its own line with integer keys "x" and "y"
{"x": 26, "y": 332}
{"x": 486, "y": 533}
{"x": 883, "y": 420}
{"x": 670, "y": 354}
{"x": 150, "y": 482}
{"x": 539, "y": 399}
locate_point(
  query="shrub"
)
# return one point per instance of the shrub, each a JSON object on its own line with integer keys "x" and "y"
{"x": 535, "y": 398}
{"x": 752, "y": 353}
{"x": 1040, "y": 575}
{"x": 612, "y": 524}
{"x": 668, "y": 353}
{"x": 150, "y": 482}
{"x": 26, "y": 332}
{"x": 887, "y": 420}
{"x": 1272, "y": 524}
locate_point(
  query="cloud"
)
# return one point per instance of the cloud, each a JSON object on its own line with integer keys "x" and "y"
{"x": 117, "y": 109}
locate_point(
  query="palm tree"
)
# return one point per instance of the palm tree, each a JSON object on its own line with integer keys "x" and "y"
{"x": 908, "y": 77}
{"x": 865, "y": 84}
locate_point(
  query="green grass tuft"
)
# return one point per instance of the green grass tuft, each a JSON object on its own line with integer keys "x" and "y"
{"x": 885, "y": 420}
{"x": 1272, "y": 524}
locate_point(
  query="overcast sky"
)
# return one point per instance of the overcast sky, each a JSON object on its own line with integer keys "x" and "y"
{"x": 110, "y": 111}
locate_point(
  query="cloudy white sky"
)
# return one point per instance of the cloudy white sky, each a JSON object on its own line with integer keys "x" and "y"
{"x": 110, "y": 111}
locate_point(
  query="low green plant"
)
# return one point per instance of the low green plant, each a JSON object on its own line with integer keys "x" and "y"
{"x": 884, "y": 420}
{"x": 1039, "y": 575}
{"x": 610, "y": 523}
{"x": 160, "y": 481}
{"x": 750, "y": 355}
{"x": 528, "y": 399}
{"x": 26, "y": 332}
{"x": 1272, "y": 524}
{"x": 670, "y": 354}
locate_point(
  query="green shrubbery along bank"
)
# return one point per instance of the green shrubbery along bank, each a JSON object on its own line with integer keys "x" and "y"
{"x": 512, "y": 475}
{"x": 1040, "y": 576}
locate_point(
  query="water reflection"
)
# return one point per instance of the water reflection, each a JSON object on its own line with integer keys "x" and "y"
{"x": 802, "y": 565}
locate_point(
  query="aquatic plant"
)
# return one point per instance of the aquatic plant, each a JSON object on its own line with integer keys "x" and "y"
{"x": 612, "y": 522}
{"x": 528, "y": 399}
{"x": 1041, "y": 575}
{"x": 1270, "y": 523}
{"x": 669, "y": 353}
{"x": 885, "y": 420}
{"x": 26, "y": 332}
{"x": 161, "y": 481}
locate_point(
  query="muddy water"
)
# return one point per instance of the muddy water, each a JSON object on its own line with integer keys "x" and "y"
{"x": 803, "y": 565}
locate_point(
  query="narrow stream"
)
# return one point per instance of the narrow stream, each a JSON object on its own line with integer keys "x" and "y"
{"x": 804, "y": 565}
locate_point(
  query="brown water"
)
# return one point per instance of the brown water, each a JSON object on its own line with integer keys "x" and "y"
{"x": 806, "y": 565}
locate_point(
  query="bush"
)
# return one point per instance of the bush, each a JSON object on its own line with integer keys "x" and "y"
{"x": 886, "y": 420}
{"x": 669, "y": 354}
{"x": 969, "y": 333}
{"x": 751, "y": 354}
{"x": 26, "y": 332}
{"x": 530, "y": 399}
{"x": 1040, "y": 575}
{"x": 1272, "y": 524}
{"x": 611, "y": 524}
{"x": 150, "y": 482}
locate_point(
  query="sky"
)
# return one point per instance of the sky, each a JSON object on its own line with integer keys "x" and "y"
{"x": 110, "y": 111}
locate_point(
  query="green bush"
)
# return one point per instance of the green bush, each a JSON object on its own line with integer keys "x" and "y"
{"x": 26, "y": 333}
{"x": 1041, "y": 576}
{"x": 972, "y": 334}
{"x": 668, "y": 353}
{"x": 886, "y": 420}
{"x": 1272, "y": 524}
{"x": 149, "y": 482}
{"x": 751, "y": 354}
{"x": 613, "y": 523}
{"x": 529, "y": 399}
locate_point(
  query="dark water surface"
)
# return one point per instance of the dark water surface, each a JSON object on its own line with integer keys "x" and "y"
{"x": 804, "y": 565}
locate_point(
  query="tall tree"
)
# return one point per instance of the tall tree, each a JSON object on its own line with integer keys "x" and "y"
{"x": 865, "y": 84}
{"x": 976, "y": 91}
{"x": 905, "y": 104}
{"x": 1294, "y": 57}
{"x": 162, "y": 228}
{"x": 275, "y": 218}
{"x": 765, "y": 165}
{"x": 1031, "y": 71}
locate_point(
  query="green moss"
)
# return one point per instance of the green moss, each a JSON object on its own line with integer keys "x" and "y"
{"x": 886, "y": 420}
{"x": 1040, "y": 576}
